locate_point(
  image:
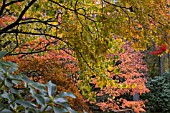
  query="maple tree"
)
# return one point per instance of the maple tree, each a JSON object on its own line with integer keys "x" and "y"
{"x": 93, "y": 22}
{"x": 131, "y": 75}
{"x": 57, "y": 66}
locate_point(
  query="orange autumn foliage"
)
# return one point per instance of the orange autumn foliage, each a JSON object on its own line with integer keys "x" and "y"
{"x": 54, "y": 66}
{"x": 136, "y": 105}
{"x": 131, "y": 79}
{"x": 6, "y": 19}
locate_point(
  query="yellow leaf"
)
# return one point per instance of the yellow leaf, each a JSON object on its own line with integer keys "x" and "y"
{"x": 110, "y": 68}
{"x": 134, "y": 86}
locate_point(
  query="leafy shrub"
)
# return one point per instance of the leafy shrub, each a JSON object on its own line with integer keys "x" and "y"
{"x": 159, "y": 95}
{"x": 20, "y": 94}
{"x": 57, "y": 67}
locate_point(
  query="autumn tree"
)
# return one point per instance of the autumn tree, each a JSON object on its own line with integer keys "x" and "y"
{"x": 91, "y": 29}
{"x": 130, "y": 71}
{"x": 89, "y": 23}
{"x": 56, "y": 66}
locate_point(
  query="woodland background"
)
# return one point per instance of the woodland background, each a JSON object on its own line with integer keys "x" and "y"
{"x": 84, "y": 56}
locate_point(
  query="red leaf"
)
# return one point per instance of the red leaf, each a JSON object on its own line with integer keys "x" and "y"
{"x": 160, "y": 50}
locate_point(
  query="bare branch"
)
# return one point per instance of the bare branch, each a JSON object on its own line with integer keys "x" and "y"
{"x": 19, "y": 18}
{"x": 2, "y": 7}
{"x": 32, "y": 33}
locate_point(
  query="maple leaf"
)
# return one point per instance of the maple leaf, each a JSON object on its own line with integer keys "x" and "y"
{"x": 160, "y": 50}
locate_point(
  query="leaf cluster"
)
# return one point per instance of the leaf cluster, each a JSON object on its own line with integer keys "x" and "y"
{"x": 20, "y": 94}
{"x": 56, "y": 66}
{"x": 159, "y": 95}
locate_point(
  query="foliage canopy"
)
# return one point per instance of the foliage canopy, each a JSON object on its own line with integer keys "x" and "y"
{"x": 91, "y": 28}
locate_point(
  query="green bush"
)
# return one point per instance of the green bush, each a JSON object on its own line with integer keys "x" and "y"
{"x": 159, "y": 95}
{"x": 19, "y": 94}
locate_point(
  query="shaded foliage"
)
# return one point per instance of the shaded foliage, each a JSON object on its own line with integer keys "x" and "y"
{"x": 159, "y": 95}
{"x": 20, "y": 94}
{"x": 56, "y": 66}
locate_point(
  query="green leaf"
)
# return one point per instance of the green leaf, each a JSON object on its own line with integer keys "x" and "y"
{"x": 15, "y": 91}
{"x": 8, "y": 82}
{"x": 12, "y": 69}
{"x": 51, "y": 88}
{"x": 2, "y": 54}
{"x": 14, "y": 80}
{"x": 20, "y": 108}
{"x": 64, "y": 94}
{"x": 9, "y": 64}
{"x": 6, "y": 111}
{"x": 5, "y": 94}
{"x": 61, "y": 1}
{"x": 26, "y": 79}
{"x": 38, "y": 86}
{"x": 116, "y": 71}
{"x": 1, "y": 76}
{"x": 40, "y": 100}
{"x": 60, "y": 100}
{"x": 67, "y": 106}
{"x": 26, "y": 104}
{"x": 47, "y": 99}
{"x": 11, "y": 97}
{"x": 2, "y": 70}
{"x": 1, "y": 106}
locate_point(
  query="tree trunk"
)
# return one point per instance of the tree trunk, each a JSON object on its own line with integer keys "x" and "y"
{"x": 136, "y": 97}
{"x": 162, "y": 64}
{"x": 169, "y": 62}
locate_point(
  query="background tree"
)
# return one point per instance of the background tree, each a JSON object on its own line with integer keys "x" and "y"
{"x": 131, "y": 75}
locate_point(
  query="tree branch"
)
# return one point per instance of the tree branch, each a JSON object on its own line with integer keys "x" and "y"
{"x": 19, "y": 18}
{"x": 73, "y": 10}
{"x": 31, "y": 33}
{"x": 2, "y": 7}
{"x": 38, "y": 21}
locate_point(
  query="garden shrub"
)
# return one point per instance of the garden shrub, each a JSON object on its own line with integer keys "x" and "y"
{"x": 159, "y": 95}
{"x": 59, "y": 67}
{"x": 19, "y": 94}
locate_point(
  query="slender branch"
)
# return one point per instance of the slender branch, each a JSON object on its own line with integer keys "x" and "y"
{"x": 76, "y": 4}
{"x": 19, "y": 18}
{"x": 85, "y": 61}
{"x": 2, "y": 7}
{"x": 40, "y": 50}
{"x": 17, "y": 44}
{"x": 131, "y": 10}
{"x": 117, "y": 5}
{"x": 31, "y": 33}
{"x": 73, "y": 10}
{"x": 5, "y": 5}
{"x": 36, "y": 21}
{"x": 158, "y": 21}
{"x": 27, "y": 53}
